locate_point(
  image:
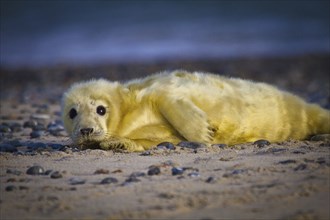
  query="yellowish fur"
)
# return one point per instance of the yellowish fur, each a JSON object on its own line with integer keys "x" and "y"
{"x": 180, "y": 106}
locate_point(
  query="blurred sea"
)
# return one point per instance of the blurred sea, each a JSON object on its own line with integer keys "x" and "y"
{"x": 74, "y": 32}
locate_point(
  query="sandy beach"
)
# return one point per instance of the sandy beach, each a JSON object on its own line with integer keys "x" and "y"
{"x": 44, "y": 176}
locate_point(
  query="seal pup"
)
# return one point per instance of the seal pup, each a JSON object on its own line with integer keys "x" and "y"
{"x": 181, "y": 106}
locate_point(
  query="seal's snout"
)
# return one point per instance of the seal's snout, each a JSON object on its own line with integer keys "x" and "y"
{"x": 86, "y": 131}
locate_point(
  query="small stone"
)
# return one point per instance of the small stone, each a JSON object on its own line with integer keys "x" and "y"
{"x": 177, "y": 171}
{"x": 30, "y": 124}
{"x": 76, "y": 181}
{"x": 211, "y": 179}
{"x": 13, "y": 171}
{"x": 6, "y": 147}
{"x": 117, "y": 171}
{"x": 44, "y": 108}
{"x": 287, "y": 161}
{"x": 15, "y": 143}
{"x": 37, "y": 146}
{"x": 261, "y": 143}
{"x": 168, "y": 163}
{"x": 10, "y": 188}
{"x": 23, "y": 188}
{"x": 109, "y": 180}
{"x": 146, "y": 153}
{"x": 40, "y": 116}
{"x": 167, "y": 145}
{"x": 153, "y": 170}
{"x": 11, "y": 180}
{"x": 56, "y": 175}
{"x": 35, "y": 170}
{"x": 39, "y": 127}
{"x": 193, "y": 174}
{"x": 300, "y": 167}
{"x": 234, "y": 173}
{"x": 137, "y": 174}
{"x": 16, "y": 127}
{"x": 191, "y": 145}
{"x": 101, "y": 171}
{"x": 36, "y": 134}
{"x": 132, "y": 179}
{"x": 221, "y": 146}
{"x": 54, "y": 129}
{"x": 55, "y": 146}
{"x": 238, "y": 171}
{"x": 320, "y": 160}
{"x": 5, "y": 129}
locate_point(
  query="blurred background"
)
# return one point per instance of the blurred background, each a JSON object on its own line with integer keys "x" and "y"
{"x": 54, "y": 43}
{"x": 79, "y": 32}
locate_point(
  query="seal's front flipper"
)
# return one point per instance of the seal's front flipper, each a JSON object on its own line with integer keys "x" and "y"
{"x": 189, "y": 120}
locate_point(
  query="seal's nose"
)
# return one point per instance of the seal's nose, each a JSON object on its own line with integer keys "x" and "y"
{"x": 86, "y": 131}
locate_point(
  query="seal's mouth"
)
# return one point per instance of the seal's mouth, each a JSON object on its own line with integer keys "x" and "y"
{"x": 90, "y": 139}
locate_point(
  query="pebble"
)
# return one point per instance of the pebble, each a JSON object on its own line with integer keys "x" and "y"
{"x": 16, "y": 127}
{"x": 36, "y": 145}
{"x": 76, "y": 181}
{"x": 14, "y": 172}
{"x": 36, "y": 134}
{"x": 55, "y": 146}
{"x": 6, "y": 147}
{"x": 191, "y": 145}
{"x": 5, "y": 129}
{"x": 39, "y": 127}
{"x": 298, "y": 152}
{"x": 35, "y": 170}
{"x": 234, "y": 172}
{"x": 177, "y": 171}
{"x": 321, "y": 160}
{"x": 211, "y": 179}
{"x": 221, "y": 146}
{"x": 23, "y": 188}
{"x": 261, "y": 143}
{"x": 56, "y": 175}
{"x": 30, "y": 124}
{"x": 193, "y": 174}
{"x": 40, "y": 116}
{"x": 131, "y": 179}
{"x": 10, "y": 188}
{"x": 102, "y": 171}
{"x": 11, "y": 180}
{"x": 238, "y": 171}
{"x": 168, "y": 163}
{"x": 153, "y": 170}
{"x": 137, "y": 174}
{"x": 287, "y": 161}
{"x": 300, "y": 167}
{"x": 146, "y": 153}
{"x": 54, "y": 128}
{"x": 109, "y": 180}
{"x": 167, "y": 145}
{"x": 117, "y": 171}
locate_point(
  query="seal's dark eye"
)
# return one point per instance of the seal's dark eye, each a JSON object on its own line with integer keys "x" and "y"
{"x": 100, "y": 110}
{"x": 73, "y": 113}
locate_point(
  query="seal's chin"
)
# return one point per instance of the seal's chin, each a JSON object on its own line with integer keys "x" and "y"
{"x": 91, "y": 142}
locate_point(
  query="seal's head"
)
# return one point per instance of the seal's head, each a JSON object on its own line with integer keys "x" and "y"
{"x": 90, "y": 109}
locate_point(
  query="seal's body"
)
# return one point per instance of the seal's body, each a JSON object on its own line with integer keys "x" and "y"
{"x": 180, "y": 106}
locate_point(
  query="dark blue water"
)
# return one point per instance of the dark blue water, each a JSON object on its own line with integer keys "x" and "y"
{"x": 52, "y": 32}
